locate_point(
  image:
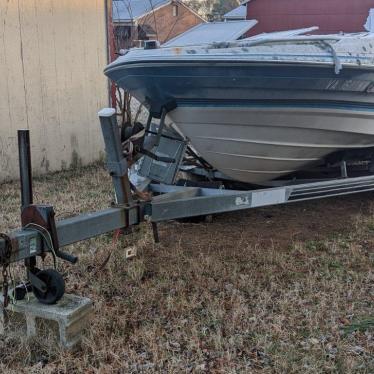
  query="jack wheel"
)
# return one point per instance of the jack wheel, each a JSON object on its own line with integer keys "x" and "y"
{"x": 55, "y": 287}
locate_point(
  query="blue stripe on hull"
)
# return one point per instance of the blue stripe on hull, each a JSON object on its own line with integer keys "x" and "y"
{"x": 179, "y": 83}
{"x": 278, "y": 104}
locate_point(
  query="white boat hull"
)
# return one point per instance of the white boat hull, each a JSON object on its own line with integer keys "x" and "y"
{"x": 258, "y": 144}
{"x": 260, "y": 110}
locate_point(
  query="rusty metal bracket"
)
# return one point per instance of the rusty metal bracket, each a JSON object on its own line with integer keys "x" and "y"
{"x": 42, "y": 219}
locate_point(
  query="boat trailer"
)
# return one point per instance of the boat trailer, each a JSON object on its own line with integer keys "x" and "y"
{"x": 41, "y": 234}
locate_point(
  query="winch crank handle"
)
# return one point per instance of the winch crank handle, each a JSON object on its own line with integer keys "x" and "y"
{"x": 63, "y": 255}
{"x": 66, "y": 256}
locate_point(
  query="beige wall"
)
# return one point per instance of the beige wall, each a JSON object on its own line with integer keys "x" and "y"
{"x": 52, "y": 54}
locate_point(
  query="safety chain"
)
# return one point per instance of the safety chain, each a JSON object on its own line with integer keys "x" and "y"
{"x": 5, "y": 262}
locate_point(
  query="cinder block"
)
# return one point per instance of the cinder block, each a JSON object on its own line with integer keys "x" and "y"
{"x": 72, "y": 314}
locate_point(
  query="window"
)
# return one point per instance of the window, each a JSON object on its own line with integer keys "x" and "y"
{"x": 175, "y": 10}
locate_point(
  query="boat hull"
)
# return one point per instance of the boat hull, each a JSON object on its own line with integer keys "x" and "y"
{"x": 255, "y": 144}
{"x": 255, "y": 121}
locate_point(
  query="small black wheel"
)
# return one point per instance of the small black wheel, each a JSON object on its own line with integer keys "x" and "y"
{"x": 55, "y": 286}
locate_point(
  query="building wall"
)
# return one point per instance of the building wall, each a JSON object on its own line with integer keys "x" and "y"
{"x": 166, "y": 25}
{"x": 332, "y": 16}
{"x": 52, "y": 54}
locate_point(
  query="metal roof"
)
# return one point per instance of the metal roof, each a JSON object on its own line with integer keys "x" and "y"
{"x": 282, "y": 34}
{"x": 128, "y": 10}
{"x": 211, "y": 32}
{"x": 239, "y": 13}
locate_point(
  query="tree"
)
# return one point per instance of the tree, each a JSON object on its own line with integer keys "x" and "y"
{"x": 212, "y": 10}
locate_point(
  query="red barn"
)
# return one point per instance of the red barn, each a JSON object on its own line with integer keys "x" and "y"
{"x": 332, "y": 16}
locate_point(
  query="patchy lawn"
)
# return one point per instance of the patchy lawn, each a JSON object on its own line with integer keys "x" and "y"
{"x": 284, "y": 289}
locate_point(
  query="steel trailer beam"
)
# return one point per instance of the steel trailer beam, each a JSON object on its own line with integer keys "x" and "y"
{"x": 180, "y": 202}
{"x": 28, "y": 242}
{"x": 184, "y": 202}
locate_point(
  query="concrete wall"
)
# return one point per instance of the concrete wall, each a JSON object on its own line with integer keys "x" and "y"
{"x": 52, "y": 54}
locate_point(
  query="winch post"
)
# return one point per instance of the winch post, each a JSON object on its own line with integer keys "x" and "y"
{"x": 116, "y": 163}
{"x": 25, "y": 167}
{"x": 24, "y": 152}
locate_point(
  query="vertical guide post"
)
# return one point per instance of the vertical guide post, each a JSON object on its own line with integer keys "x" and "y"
{"x": 25, "y": 167}
{"x": 116, "y": 163}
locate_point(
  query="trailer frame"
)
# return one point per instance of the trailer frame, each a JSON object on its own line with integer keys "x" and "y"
{"x": 168, "y": 203}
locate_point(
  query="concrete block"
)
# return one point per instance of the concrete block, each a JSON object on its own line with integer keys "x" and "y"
{"x": 71, "y": 313}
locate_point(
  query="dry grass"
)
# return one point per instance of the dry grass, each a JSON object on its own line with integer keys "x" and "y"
{"x": 276, "y": 290}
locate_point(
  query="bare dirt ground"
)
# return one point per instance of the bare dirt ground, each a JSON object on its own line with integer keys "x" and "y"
{"x": 285, "y": 289}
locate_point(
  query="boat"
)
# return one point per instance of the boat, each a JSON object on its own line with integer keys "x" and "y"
{"x": 260, "y": 109}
